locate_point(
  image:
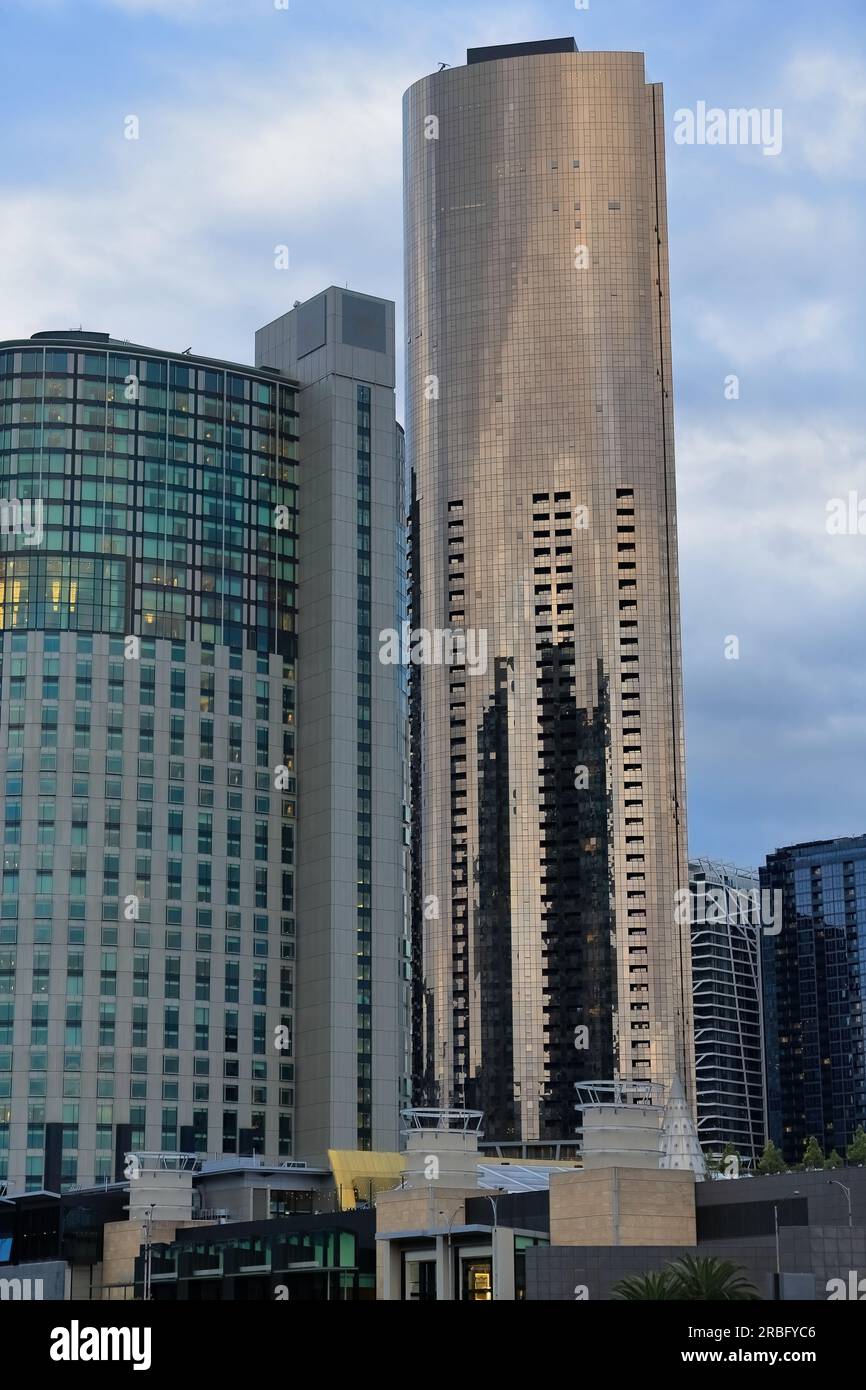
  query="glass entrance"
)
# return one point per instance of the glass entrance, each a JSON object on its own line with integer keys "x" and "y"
{"x": 476, "y": 1280}
{"x": 419, "y": 1280}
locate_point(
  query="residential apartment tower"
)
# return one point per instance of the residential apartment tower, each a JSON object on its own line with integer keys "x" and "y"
{"x": 549, "y": 805}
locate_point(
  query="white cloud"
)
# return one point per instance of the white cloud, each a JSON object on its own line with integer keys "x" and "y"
{"x": 181, "y": 225}
{"x": 169, "y": 239}
{"x": 753, "y": 532}
{"x": 795, "y": 333}
{"x": 825, "y": 108}
{"x": 773, "y": 736}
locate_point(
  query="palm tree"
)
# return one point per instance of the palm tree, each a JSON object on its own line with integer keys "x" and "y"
{"x": 703, "y": 1279}
{"x": 691, "y": 1279}
{"x": 645, "y": 1288}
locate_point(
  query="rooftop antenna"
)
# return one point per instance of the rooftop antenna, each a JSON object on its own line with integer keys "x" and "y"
{"x": 444, "y": 65}
{"x": 186, "y": 352}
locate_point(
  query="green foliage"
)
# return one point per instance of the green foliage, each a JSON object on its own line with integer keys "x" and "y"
{"x": 835, "y": 1160}
{"x": 771, "y": 1160}
{"x": 703, "y": 1279}
{"x": 813, "y": 1154}
{"x": 645, "y": 1288}
{"x": 857, "y": 1147}
{"x": 725, "y": 1166}
{"x": 691, "y": 1279}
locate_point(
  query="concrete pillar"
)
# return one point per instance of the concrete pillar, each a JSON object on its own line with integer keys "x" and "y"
{"x": 444, "y": 1265}
{"x": 503, "y": 1264}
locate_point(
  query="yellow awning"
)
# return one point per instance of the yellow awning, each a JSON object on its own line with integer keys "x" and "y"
{"x": 360, "y": 1174}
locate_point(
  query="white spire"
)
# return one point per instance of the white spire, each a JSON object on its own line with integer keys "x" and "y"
{"x": 680, "y": 1146}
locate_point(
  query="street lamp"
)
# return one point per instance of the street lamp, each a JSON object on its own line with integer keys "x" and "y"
{"x": 148, "y": 1251}
{"x": 795, "y": 1193}
{"x": 834, "y": 1182}
{"x": 449, "y": 1253}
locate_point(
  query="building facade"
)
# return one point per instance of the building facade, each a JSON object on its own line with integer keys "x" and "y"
{"x": 353, "y": 849}
{"x": 814, "y": 981}
{"x": 726, "y": 979}
{"x": 149, "y": 606}
{"x": 548, "y": 798}
{"x": 147, "y": 922}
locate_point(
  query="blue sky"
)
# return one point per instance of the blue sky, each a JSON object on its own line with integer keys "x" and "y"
{"x": 262, "y": 126}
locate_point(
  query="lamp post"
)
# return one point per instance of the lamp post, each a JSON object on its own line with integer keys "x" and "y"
{"x": 834, "y": 1182}
{"x": 148, "y": 1227}
{"x": 449, "y": 1254}
{"x": 795, "y": 1193}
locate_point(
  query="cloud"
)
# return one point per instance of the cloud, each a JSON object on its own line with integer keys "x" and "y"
{"x": 772, "y": 736}
{"x": 170, "y": 239}
{"x": 756, "y": 496}
{"x": 788, "y": 333}
{"x": 825, "y": 106}
{"x": 181, "y": 225}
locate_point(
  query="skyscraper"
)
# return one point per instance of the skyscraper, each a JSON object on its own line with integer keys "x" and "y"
{"x": 548, "y": 807}
{"x": 150, "y": 990}
{"x": 814, "y": 980}
{"x": 726, "y": 976}
{"x": 147, "y": 923}
{"x": 353, "y": 835}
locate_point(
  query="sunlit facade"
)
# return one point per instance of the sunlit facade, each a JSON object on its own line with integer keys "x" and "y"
{"x": 548, "y": 795}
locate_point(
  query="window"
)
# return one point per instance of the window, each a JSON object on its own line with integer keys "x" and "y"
{"x": 172, "y": 978}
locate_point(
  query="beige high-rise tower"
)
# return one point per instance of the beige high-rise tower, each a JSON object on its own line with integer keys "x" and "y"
{"x": 549, "y": 805}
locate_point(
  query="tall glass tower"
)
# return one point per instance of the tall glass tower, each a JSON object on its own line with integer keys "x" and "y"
{"x": 148, "y": 688}
{"x": 726, "y": 975}
{"x": 196, "y": 560}
{"x": 549, "y": 815}
{"x": 814, "y": 981}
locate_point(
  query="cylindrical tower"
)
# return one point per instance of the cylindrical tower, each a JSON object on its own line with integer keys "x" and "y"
{"x": 549, "y": 801}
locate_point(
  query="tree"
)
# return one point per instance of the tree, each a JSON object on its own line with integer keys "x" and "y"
{"x": 771, "y": 1160}
{"x": 813, "y": 1154}
{"x": 703, "y": 1279}
{"x": 730, "y": 1162}
{"x": 857, "y": 1147}
{"x": 645, "y": 1288}
{"x": 835, "y": 1160}
{"x": 691, "y": 1279}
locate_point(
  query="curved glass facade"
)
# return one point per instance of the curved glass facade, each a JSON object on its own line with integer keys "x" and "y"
{"x": 549, "y": 814}
{"x": 147, "y": 613}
